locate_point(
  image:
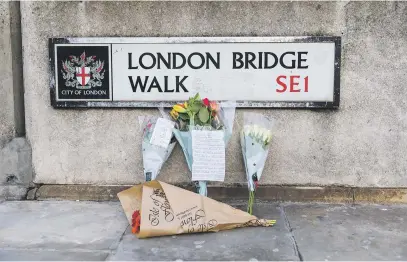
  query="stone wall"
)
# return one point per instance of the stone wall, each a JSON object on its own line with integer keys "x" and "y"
{"x": 363, "y": 143}
{"x": 7, "y": 128}
{"x": 15, "y": 152}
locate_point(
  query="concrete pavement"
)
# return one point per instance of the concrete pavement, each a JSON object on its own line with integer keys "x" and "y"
{"x": 72, "y": 230}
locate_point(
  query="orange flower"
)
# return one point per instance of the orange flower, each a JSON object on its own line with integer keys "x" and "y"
{"x": 174, "y": 114}
{"x": 136, "y": 221}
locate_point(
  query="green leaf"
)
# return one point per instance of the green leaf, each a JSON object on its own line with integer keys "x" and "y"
{"x": 197, "y": 97}
{"x": 184, "y": 116}
{"x": 197, "y": 121}
{"x": 203, "y": 115}
{"x": 196, "y": 106}
{"x": 190, "y": 102}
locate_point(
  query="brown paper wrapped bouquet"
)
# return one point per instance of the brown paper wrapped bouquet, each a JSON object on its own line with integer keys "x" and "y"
{"x": 158, "y": 209}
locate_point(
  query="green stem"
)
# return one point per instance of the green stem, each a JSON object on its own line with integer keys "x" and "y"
{"x": 191, "y": 119}
{"x": 250, "y": 202}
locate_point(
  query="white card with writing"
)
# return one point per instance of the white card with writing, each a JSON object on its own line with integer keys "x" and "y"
{"x": 208, "y": 153}
{"x": 162, "y": 133}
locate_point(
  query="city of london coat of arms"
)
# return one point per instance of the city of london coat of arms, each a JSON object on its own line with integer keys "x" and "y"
{"x": 83, "y": 72}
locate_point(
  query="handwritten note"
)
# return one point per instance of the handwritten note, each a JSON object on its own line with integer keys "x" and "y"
{"x": 208, "y": 153}
{"x": 162, "y": 133}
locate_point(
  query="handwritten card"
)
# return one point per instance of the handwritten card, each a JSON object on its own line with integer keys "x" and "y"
{"x": 208, "y": 153}
{"x": 162, "y": 133}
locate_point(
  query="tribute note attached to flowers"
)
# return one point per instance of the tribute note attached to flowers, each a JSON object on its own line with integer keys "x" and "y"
{"x": 198, "y": 124}
{"x": 157, "y": 145}
{"x": 208, "y": 152}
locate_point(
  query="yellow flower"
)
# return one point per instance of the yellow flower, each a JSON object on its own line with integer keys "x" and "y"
{"x": 174, "y": 114}
{"x": 179, "y": 108}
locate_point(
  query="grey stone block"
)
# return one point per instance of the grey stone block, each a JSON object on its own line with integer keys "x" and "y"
{"x": 52, "y": 255}
{"x": 344, "y": 232}
{"x": 31, "y": 193}
{"x": 12, "y": 192}
{"x": 7, "y": 126}
{"x": 61, "y": 225}
{"x": 15, "y": 163}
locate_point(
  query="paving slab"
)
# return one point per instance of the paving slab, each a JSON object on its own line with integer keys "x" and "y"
{"x": 52, "y": 255}
{"x": 61, "y": 225}
{"x": 346, "y": 232}
{"x": 71, "y": 230}
{"x": 272, "y": 243}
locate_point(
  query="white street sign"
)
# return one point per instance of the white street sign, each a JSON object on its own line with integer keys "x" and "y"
{"x": 136, "y": 72}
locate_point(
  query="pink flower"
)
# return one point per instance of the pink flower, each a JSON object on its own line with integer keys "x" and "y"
{"x": 214, "y": 106}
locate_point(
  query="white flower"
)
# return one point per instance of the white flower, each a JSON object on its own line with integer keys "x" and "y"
{"x": 269, "y": 136}
{"x": 259, "y": 133}
{"x": 264, "y": 135}
{"x": 256, "y": 130}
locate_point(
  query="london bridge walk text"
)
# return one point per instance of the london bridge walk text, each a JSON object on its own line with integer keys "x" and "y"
{"x": 201, "y": 61}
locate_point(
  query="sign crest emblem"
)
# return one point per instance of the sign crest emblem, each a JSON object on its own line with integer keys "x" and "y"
{"x": 83, "y": 72}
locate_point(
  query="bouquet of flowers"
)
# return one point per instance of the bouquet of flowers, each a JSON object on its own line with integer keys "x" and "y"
{"x": 201, "y": 115}
{"x": 255, "y": 139}
{"x": 158, "y": 209}
{"x": 158, "y": 143}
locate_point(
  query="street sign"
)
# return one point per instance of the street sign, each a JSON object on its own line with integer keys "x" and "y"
{"x": 297, "y": 72}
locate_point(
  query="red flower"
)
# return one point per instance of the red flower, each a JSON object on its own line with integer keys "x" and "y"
{"x": 205, "y": 101}
{"x": 135, "y": 214}
{"x": 135, "y": 222}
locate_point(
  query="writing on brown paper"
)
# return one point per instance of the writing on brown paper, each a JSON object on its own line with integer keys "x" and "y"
{"x": 161, "y": 206}
{"x": 154, "y": 216}
{"x": 194, "y": 220}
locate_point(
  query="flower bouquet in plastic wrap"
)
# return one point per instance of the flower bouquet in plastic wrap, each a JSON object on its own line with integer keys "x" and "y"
{"x": 255, "y": 140}
{"x": 203, "y": 128}
{"x": 157, "y": 145}
{"x": 158, "y": 209}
